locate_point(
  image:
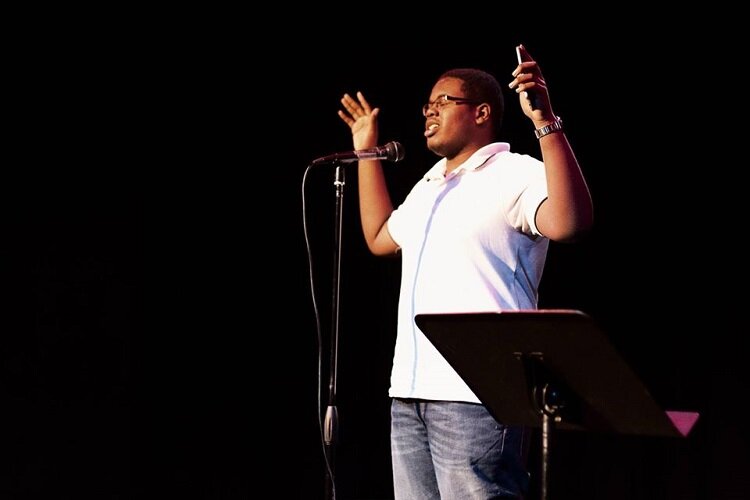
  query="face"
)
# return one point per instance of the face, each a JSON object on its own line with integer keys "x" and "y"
{"x": 449, "y": 124}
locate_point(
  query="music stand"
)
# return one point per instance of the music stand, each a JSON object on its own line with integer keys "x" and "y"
{"x": 555, "y": 364}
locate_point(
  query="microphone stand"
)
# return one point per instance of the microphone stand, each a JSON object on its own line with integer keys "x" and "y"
{"x": 330, "y": 427}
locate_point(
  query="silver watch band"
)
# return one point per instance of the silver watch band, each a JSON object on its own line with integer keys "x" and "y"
{"x": 548, "y": 129}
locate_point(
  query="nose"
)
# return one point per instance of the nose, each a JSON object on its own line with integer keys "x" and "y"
{"x": 429, "y": 110}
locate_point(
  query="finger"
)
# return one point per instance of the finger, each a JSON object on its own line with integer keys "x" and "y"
{"x": 363, "y": 102}
{"x": 525, "y": 77}
{"x": 528, "y": 86}
{"x": 347, "y": 99}
{"x": 348, "y": 102}
{"x": 525, "y": 67}
{"x": 522, "y": 78}
{"x": 534, "y": 84}
{"x": 347, "y": 119}
{"x": 351, "y": 105}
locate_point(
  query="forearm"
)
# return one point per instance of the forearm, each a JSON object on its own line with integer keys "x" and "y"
{"x": 375, "y": 208}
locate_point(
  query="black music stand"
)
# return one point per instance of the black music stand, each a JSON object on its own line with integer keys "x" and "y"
{"x": 551, "y": 368}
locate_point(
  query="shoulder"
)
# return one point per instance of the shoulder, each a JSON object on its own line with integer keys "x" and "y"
{"x": 509, "y": 160}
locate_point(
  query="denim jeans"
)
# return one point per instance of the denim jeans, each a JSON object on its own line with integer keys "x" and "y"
{"x": 455, "y": 451}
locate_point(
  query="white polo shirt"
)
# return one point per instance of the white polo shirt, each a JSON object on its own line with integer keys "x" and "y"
{"x": 469, "y": 243}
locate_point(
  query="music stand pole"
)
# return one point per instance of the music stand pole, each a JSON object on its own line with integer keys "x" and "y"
{"x": 547, "y": 401}
{"x": 330, "y": 426}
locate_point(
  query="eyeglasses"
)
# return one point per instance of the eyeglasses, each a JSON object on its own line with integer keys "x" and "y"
{"x": 443, "y": 100}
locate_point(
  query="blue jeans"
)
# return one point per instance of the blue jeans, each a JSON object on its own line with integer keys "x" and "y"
{"x": 455, "y": 451}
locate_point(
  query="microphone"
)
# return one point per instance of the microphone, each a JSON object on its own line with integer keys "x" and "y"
{"x": 393, "y": 151}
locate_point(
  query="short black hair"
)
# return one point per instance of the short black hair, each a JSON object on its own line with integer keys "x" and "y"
{"x": 478, "y": 85}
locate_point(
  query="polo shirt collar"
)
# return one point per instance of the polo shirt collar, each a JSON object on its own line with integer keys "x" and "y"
{"x": 480, "y": 156}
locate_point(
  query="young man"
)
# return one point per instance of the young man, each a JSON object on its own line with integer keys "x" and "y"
{"x": 473, "y": 236}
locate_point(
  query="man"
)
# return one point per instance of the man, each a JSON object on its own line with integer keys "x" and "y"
{"x": 473, "y": 236}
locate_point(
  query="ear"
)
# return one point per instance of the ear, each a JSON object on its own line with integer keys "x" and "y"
{"x": 482, "y": 113}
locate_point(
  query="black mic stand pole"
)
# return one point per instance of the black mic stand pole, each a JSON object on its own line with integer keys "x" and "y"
{"x": 330, "y": 427}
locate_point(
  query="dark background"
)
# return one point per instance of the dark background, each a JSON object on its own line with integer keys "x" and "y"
{"x": 160, "y": 334}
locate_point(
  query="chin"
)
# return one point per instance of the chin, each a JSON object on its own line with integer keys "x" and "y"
{"x": 435, "y": 146}
{"x": 439, "y": 148}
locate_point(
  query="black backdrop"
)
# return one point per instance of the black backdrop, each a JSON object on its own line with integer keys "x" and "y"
{"x": 161, "y": 337}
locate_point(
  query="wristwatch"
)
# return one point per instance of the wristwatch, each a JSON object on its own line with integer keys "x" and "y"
{"x": 548, "y": 129}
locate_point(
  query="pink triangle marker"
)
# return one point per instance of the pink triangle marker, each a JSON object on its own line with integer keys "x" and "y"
{"x": 683, "y": 420}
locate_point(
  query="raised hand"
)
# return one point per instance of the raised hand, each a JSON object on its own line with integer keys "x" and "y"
{"x": 362, "y": 119}
{"x": 529, "y": 84}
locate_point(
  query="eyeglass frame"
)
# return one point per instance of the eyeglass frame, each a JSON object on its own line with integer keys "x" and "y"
{"x": 442, "y": 100}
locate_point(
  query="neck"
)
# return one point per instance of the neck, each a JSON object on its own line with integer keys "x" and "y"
{"x": 455, "y": 161}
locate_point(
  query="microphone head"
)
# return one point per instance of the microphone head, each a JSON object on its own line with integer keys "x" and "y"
{"x": 394, "y": 151}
